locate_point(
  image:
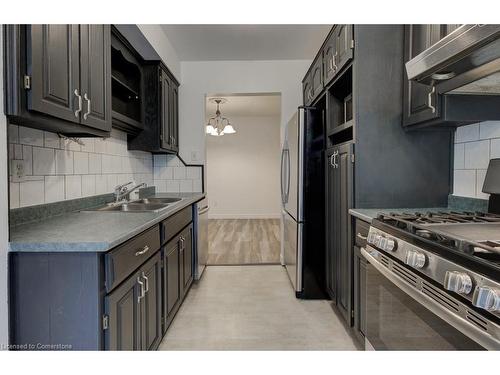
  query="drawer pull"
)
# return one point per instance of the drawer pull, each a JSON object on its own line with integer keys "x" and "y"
{"x": 360, "y": 236}
{"x": 144, "y": 250}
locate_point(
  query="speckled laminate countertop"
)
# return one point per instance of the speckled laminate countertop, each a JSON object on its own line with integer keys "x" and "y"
{"x": 91, "y": 231}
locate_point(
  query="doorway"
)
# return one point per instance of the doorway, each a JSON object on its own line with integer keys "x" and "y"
{"x": 243, "y": 171}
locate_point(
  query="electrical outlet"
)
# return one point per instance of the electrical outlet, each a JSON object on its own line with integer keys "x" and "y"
{"x": 18, "y": 168}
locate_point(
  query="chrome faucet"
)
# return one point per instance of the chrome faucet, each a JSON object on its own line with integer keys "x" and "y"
{"x": 121, "y": 191}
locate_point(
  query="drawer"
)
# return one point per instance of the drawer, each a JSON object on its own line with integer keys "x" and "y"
{"x": 174, "y": 224}
{"x": 126, "y": 258}
{"x": 361, "y": 229}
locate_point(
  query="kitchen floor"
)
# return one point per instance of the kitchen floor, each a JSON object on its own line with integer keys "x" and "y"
{"x": 253, "y": 308}
{"x": 243, "y": 241}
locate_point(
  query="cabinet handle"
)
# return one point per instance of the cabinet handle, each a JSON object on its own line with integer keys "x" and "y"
{"x": 144, "y": 250}
{"x": 183, "y": 247}
{"x": 77, "y": 112}
{"x": 141, "y": 296}
{"x": 429, "y": 100}
{"x": 335, "y": 154}
{"x": 360, "y": 236}
{"x": 86, "y": 114}
{"x": 334, "y": 65}
{"x": 147, "y": 282}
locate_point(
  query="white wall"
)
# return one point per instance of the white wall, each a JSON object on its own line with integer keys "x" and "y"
{"x": 243, "y": 170}
{"x": 4, "y": 217}
{"x": 159, "y": 40}
{"x": 475, "y": 145}
{"x": 225, "y": 77}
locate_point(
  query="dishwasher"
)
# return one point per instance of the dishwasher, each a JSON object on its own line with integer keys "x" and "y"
{"x": 201, "y": 254}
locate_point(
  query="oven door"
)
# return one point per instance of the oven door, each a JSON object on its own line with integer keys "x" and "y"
{"x": 399, "y": 317}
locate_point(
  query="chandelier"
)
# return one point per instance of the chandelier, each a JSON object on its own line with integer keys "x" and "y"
{"x": 219, "y": 125}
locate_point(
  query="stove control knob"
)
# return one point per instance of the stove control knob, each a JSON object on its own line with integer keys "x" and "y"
{"x": 415, "y": 259}
{"x": 486, "y": 298}
{"x": 458, "y": 282}
{"x": 391, "y": 245}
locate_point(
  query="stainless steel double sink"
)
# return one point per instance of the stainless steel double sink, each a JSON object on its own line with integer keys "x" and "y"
{"x": 142, "y": 205}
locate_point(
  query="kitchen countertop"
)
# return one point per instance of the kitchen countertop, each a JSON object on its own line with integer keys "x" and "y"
{"x": 91, "y": 231}
{"x": 368, "y": 214}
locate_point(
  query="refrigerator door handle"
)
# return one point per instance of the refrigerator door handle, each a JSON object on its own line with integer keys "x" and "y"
{"x": 282, "y": 180}
{"x": 288, "y": 175}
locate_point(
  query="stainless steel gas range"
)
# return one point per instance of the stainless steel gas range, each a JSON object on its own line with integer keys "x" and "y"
{"x": 433, "y": 281}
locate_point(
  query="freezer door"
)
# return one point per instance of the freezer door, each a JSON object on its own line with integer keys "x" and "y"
{"x": 292, "y": 245}
{"x": 294, "y": 161}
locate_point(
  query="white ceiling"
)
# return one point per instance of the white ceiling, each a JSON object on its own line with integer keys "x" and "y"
{"x": 246, "y": 42}
{"x": 246, "y": 105}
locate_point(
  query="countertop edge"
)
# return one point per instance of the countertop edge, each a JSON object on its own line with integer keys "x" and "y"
{"x": 100, "y": 246}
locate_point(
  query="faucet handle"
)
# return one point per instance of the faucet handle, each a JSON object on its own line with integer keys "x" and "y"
{"x": 120, "y": 187}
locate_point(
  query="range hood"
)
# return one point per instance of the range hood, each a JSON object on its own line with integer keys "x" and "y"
{"x": 465, "y": 62}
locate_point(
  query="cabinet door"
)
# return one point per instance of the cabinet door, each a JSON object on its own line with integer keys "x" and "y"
{"x": 95, "y": 58}
{"x": 331, "y": 261}
{"x": 420, "y": 101}
{"x": 123, "y": 310}
{"x": 174, "y": 116}
{"x": 317, "y": 77}
{"x": 165, "y": 107}
{"x": 151, "y": 303}
{"x": 171, "y": 276}
{"x": 307, "y": 90}
{"x": 187, "y": 247}
{"x": 329, "y": 51}
{"x": 339, "y": 199}
{"x": 359, "y": 285}
{"x": 344, "y": 42}
{"x": 54, "y": 66}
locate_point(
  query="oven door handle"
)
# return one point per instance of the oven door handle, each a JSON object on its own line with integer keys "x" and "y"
{"x": 476, "y": 334}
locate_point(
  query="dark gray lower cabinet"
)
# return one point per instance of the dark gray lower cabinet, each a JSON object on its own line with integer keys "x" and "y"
{"x": 134, "y": 310}
{"x": 339, "y": 188}
{"x": 359, "y": 294}
{"x": 177, "y": 272}
{"x": 123, "y": 299}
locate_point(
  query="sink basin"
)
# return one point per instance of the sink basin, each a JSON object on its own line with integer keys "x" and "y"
{"x": 133, "y": 207}
{"x": 154, "y": 200}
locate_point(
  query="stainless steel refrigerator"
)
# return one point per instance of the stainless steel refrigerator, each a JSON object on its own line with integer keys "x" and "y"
{"x": 303, "y": 202}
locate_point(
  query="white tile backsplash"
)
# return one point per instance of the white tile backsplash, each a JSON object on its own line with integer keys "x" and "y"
{"x": 58, "y": 169}
{"x": 54, "y": 189}
{"x": 73, "y": 186}
{"x": 43, "y": 161}
{"x": 475, "y": 145}
{"x": 31, "y": 193}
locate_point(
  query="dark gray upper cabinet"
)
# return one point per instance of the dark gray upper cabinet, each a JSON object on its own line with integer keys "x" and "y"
{"x": 95, "y": 75}
{"x": 161, "y": 111}
{"x": 57, "y": 78}
{"x": 339, "y": 187}
{"x": 54, "y": 71}
{"x": 421, "y": 103}
{"x": 337, "y": 51}
{"x": 312, "y": 85}
{"x": 306, "y": 90}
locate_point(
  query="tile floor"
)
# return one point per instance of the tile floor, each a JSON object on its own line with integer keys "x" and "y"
{"x": 253, "y": 308}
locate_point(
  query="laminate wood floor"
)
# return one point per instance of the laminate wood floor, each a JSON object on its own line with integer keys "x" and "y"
{"x": 243, "y": 241}
{"x": 253, "y": 308}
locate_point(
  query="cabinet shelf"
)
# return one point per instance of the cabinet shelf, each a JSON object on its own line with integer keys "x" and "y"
{"x": 125, "y": 87}
{"x": 341, "y": 127}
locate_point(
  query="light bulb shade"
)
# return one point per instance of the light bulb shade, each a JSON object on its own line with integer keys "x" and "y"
{"x": 214, "y": 132}
{"x": 228, "y": 129}
{"x": 210, "y": 129}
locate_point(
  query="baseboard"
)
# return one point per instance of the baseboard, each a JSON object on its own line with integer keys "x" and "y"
{"x": 243, "y": 216}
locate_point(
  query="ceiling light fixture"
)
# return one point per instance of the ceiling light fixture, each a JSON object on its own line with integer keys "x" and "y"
{"x": 219, "y": 125}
